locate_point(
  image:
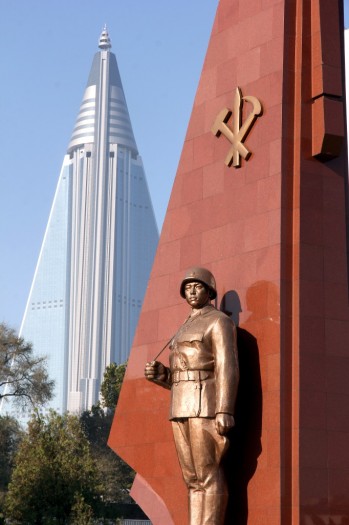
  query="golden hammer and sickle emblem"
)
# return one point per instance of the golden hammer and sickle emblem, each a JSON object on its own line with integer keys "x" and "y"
{"x": 237, "y": 133}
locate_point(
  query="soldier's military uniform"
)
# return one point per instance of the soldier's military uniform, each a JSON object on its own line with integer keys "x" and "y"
{"x": 203, "y": 377}
{"x": 203, "y": 363}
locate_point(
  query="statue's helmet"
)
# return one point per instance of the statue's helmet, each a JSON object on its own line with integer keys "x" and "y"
{"x": 201, "y": 275}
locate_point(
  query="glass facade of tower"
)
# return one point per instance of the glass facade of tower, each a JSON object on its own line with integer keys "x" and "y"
{"x": 98, "y": 248}
{"x": 44, "y": 320}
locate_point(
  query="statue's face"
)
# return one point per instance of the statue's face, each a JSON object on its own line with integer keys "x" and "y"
{"x": 196, "y": 294}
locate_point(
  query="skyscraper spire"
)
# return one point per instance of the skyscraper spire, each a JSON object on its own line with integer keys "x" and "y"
{"x": 98, "y": 247}
{"x": 104, "y": 40}
{"x": 103, "y": 112}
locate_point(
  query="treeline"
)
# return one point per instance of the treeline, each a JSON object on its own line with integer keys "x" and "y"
{"x": 59, "y": 470}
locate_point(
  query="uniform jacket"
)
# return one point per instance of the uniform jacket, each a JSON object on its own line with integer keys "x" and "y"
{"x": 204, "y": 371}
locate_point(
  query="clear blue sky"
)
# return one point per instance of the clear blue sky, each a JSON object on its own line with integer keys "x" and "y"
{"x": 46, "y": 50}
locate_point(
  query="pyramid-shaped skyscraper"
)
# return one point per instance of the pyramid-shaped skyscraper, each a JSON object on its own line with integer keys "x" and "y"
{"x": 98, "y": 247}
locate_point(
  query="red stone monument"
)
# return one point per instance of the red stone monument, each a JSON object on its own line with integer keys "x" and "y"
{"x": 261, "y": 200}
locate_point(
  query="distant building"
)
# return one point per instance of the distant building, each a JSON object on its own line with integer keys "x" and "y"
{"x": 98, "y": 248}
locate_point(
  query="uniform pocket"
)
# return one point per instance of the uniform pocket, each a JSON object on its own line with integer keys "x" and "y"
{"x": 190, "y": 337}
{"x": 186, "y": 399}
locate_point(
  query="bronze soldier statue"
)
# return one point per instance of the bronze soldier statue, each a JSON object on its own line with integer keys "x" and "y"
{"x": 203, "y": 377}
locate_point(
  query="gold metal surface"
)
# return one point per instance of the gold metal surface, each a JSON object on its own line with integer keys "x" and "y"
{"x": 238, "y": 132}
{"x": 203, "y": 377}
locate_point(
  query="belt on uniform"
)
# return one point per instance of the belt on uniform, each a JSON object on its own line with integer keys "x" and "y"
{"x": 191, "y": 375}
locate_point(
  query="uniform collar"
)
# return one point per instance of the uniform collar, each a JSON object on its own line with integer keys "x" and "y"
{"x": 202, "y": 311}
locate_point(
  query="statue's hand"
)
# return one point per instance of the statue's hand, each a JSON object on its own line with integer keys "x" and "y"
{"x": 224, "y": 422}
{"x": 155, "y": 371}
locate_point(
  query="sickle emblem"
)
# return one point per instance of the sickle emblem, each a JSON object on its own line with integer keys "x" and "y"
{"x": 237, "y": 134}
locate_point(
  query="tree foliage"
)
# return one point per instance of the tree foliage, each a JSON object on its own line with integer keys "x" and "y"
{"x": 64, "y": 470}
{"x": 117, "y": 476}
{"x": 23, "y": 376}
{"x": 10, "y": 436}
{"x": 111, "y": 385}
{"x": 55, "y": 478}
{"x": 81, "y": 513}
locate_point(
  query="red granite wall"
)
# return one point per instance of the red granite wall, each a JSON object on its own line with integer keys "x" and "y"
{"x": 273, "y": 233}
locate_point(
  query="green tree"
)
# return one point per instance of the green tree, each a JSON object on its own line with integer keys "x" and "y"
{"x": 82, "y": 513}
{"x": 117, "y": 476}
{"x": 111, "y": 385}
{"x": 55, "y": 476}
{"x": 23, "y": 376}
{"x": 10, "y": 436}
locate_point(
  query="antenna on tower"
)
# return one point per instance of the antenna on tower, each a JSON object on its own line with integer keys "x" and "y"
{"x": 104, "y": 40}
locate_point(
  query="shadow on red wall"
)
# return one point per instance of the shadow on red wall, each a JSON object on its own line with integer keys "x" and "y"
{"x": 245, "y": 437}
